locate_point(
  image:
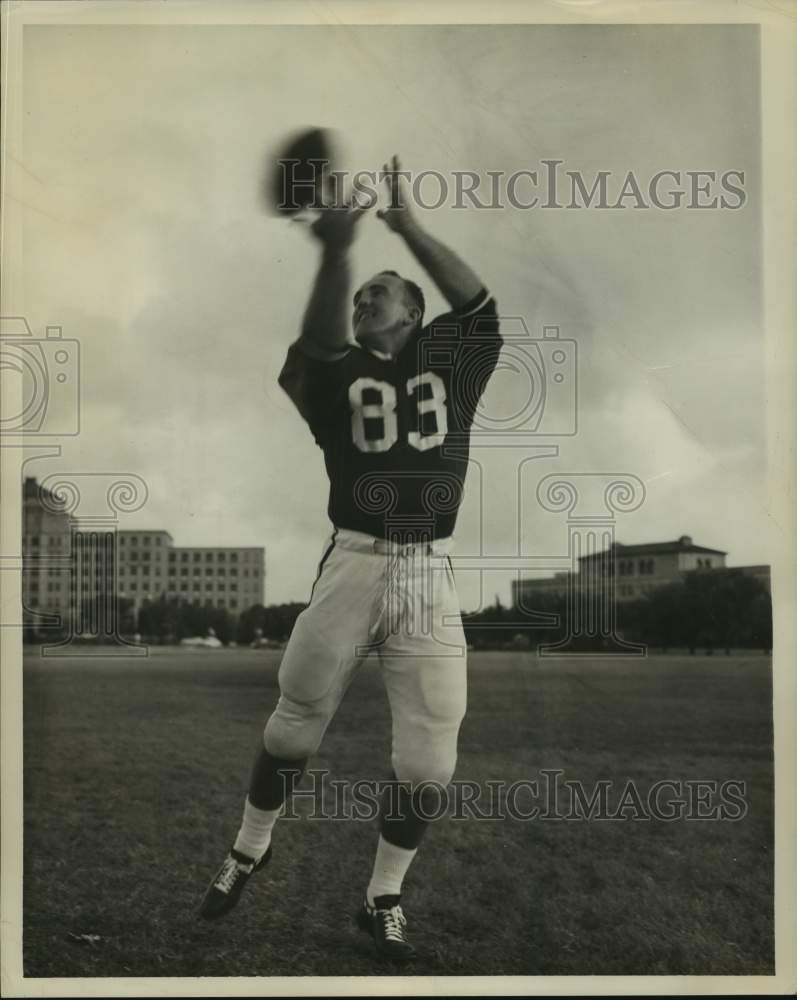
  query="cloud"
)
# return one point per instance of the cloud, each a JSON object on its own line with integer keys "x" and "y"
{"x": 145, "y": 238}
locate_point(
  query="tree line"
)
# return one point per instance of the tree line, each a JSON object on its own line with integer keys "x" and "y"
{"x": 707, "y": 611}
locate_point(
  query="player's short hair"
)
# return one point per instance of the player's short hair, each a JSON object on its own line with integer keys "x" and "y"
{"x": 414, "y": 292}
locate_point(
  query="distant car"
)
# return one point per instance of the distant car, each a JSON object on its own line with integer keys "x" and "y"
{"x": 206, "y": 642}
{"x": 260, "y": 642}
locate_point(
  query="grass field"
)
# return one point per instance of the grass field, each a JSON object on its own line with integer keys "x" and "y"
{"x": 135, "y": 773}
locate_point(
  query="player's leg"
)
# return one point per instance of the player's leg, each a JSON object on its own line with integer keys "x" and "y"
{"x": 424, "y": 669}
{"x": 318, "y": 666}
{"x": 427, "y": 703}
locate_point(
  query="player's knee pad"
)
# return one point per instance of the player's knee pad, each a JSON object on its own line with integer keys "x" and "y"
{"x": 434, "y": 765}
{"x": 295, "y": 730}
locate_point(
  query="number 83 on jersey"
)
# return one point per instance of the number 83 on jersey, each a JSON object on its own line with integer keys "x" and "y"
{"x": 384, "y": 411}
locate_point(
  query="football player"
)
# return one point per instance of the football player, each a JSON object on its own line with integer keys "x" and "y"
{"x": 391, "y": 411}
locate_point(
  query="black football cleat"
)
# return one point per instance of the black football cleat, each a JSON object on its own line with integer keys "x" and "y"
{"x": 386, "y": 924}
{"x": 228, "y": 884}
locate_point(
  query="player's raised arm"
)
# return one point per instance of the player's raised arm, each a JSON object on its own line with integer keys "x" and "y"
{"x": 326, "y": 323}
{"x": 456, "y": 280}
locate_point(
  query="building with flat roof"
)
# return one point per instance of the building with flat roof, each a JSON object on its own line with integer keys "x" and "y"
{"x": 46, "y": 555}
{"x": 150, "y": 565}
{"x": 63, "y": 567}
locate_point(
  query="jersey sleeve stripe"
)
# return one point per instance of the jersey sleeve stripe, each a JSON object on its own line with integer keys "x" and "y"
{"x": 474, "y": 305}
{"x": 318, "y": 353}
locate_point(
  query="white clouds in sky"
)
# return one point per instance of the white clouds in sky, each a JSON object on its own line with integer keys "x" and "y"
{"x": 145, "y": 238}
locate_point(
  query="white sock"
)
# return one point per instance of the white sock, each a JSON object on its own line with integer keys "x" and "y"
{"x": 390, "y": 867}
{"x": 255, "y": 833}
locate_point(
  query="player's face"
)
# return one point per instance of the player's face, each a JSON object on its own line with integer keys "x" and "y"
{"x": 382, "y": 315}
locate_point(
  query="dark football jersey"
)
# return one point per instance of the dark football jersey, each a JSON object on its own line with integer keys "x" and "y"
{"x": 395, "y": 431}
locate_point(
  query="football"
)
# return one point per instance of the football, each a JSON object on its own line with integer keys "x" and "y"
{"x": 297, "y": 170}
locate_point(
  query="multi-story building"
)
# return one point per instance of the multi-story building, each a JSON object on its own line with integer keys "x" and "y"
{"x": 149, "y": 566}
{"x": 64, "y": 569}
{"x": 47, "y": 556}
{"x": 637, "y": 569}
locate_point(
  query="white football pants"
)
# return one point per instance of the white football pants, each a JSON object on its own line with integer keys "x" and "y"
{"x": 400, "y": 603}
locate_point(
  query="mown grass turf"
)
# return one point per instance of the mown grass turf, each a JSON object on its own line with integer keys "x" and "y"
{"x": 135, "y": 773}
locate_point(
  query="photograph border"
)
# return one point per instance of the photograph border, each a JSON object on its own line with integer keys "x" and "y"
{"x": 778, "y": 28}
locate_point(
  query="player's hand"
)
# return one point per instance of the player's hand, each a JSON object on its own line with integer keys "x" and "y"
{"x": 336, "y": 223}
{"x": 397, "y": 214}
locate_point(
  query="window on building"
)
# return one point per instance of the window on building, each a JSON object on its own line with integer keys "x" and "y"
{"x": 209, "y": 571}
{"x": 233, "y": 586}
{"x": 172, "y": 571}
{"x": 197, "y": 587}
{"x": 208, "y": 586}
{"x": 122, "y": 539}
{"x": 708, "y": 563}
{"x": 233, "y": 557}
{"x": 146, "y": 540}
{"x": 134, "y": 586}
{"x": 222, "y": 556}
{"x": 233, "y": 571}
{"x": 233, "y": 603}
{"x": 197, "y": 556}
{"x": 222, "y": 586}
{"x": 183, "y": 557}
{"x": 172, "y": 557}
{"x": 158, "y": 540}
{"x": 700, "y": 564}
{"x": 184, "y": 585}
{"x": 146, "y": 556}
{"x": 183, "y": 571}
{"x": 221, "y": 571}
{"x": 197, "y": 571}
{"x": 208, "y": 557}
{"x": 133, "y": 540}
{"x": 246, "y": 572}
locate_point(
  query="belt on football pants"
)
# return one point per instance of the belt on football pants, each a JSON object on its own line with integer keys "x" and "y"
{"x": 403, "y": 563}
{"x": 359, "y": 541}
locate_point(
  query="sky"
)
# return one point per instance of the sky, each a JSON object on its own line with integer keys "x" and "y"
{"x": 145, "y": 237}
